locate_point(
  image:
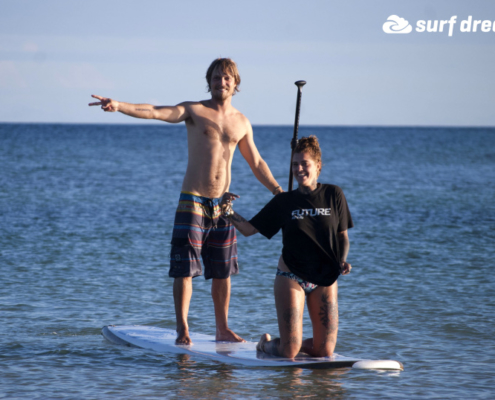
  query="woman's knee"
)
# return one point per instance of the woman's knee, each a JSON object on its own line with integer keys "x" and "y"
{"x": 325, "y": 350}
{"x": 290, "y": 348}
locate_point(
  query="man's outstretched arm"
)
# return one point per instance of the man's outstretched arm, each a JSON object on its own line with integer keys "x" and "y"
{"x": 172, "y": 114}
{"x": 258, "y": 165}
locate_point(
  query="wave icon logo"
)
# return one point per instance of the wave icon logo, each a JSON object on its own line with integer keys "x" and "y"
{"x": 396, "y": 24}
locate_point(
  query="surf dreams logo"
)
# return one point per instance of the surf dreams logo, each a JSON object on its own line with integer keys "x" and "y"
{"x": 398, "y": 25}
{"x": 300, "y": 214}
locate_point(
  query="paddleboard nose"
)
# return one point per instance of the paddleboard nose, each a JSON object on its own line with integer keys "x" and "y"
{"x": 378, "y": 364}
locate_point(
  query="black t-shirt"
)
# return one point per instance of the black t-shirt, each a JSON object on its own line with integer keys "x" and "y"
{"x": 310, "y": 224}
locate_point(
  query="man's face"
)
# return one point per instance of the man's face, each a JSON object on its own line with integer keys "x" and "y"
{"x": 222, "y": 84}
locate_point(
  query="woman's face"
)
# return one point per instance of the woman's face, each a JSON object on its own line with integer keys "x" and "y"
{"x": 305, "y": 169}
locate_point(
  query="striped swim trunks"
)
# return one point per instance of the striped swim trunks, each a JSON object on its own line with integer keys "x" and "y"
{"x": 201, "y": 231}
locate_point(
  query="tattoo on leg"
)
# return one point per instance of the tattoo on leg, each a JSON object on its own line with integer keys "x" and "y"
{"x": 292, "y": 340}
{"x": 291, "y": 318}
{"x": 329, "y": 314}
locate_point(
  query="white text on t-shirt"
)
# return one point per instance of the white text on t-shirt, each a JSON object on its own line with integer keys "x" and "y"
{"x": 299, "y": 214}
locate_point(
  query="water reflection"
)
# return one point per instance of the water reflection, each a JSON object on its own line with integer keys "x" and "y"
{"x": 301, "y": 383}
{"x": 200, "y": 378}
{"x": 184, "y": 361}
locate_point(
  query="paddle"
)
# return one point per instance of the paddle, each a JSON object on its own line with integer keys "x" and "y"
{"x": 293, "y": 144}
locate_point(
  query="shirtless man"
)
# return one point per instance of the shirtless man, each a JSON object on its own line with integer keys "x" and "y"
{"x": 214, "y": 129}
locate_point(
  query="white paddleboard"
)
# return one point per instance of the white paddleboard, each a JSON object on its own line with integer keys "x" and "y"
{"x": 163, "y": 341}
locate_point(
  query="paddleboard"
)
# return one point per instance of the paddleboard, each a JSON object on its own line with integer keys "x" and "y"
{"x": 163, "y": 341}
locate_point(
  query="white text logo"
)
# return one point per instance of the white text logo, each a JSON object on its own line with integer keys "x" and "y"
{"x": 299, "y": 214}
{"x": 395, "y": 24}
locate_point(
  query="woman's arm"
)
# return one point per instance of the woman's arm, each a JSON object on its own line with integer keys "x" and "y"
{"x": 242, "y": 225}
{"x": 344, "y": 246}
{"x": 239, "y": 221}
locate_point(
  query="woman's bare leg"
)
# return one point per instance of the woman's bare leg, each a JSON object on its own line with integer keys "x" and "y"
{"x": 289, "y": 301}
{"x": 324, "y": 313}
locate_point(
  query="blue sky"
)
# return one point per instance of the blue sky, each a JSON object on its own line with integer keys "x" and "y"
{"x": 55, "y": 54}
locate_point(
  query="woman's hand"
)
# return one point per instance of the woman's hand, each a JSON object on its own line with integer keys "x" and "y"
{"x": 226, "y": 203}
{"x": 345, "y": 268}
{"x": 239, "y": 222}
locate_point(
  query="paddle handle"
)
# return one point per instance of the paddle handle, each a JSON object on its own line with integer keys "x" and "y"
{"x": 293, "y": 143}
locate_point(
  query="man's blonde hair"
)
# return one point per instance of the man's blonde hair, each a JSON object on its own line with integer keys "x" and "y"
{"x": 226, "y": 65}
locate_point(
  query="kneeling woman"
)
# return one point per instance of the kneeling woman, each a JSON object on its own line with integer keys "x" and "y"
{"x": 314, "y": 219}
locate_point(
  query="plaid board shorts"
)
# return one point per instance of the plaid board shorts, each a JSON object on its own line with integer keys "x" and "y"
{"x": 200, "y": 229}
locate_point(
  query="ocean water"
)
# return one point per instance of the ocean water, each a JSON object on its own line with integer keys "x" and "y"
{"x": 86, "y": 213}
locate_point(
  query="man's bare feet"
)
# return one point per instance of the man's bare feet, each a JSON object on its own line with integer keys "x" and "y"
{"x": 261, "y": 344}
{"x": 228, "y": 336}
{"x": 183, "y": 338}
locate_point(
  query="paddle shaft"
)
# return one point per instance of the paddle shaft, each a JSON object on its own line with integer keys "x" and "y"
{"x": 293, "y": 144}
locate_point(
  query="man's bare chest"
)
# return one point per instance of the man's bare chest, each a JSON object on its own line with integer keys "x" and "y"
{"x": 226, "y": 132}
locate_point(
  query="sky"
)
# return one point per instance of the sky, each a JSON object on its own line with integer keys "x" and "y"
{"x": 55, "y": 54}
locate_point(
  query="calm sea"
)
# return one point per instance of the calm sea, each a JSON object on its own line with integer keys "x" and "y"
{"x": 86, "y": 213}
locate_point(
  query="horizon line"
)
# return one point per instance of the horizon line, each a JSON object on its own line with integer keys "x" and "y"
{"x": 255, "y": 125}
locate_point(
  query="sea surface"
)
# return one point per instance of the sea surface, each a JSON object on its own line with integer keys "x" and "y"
{"x": 86, "y": 213}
